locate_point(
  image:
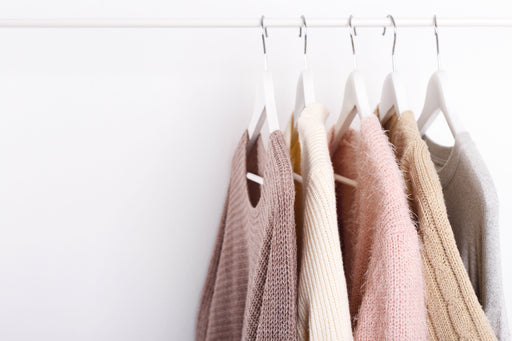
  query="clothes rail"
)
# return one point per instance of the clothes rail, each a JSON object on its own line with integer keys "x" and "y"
{"x": 247, "y": 23}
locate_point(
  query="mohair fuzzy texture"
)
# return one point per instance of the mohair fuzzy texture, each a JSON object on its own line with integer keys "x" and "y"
{"x": 381, "y": 249}
{"x": 250, "y": 291}
{"x": 323, "y": 310}
{"x": 473, "y": 206}
{"x": 454, "y": 312}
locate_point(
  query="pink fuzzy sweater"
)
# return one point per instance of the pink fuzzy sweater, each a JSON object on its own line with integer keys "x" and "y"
{"x": 380, "y": 245}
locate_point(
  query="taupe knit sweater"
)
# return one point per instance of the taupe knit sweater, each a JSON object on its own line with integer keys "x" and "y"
{"x": 454, "y": 312}
{"x": 251, "y": 287}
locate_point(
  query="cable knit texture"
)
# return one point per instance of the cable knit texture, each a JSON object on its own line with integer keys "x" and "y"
{"x": 472, "y": 205}
{"x": 323, "y": 311}
{"x": 250, "y": 291}
{"x": 380, "y": 245}
{"x": 454, "y": 312}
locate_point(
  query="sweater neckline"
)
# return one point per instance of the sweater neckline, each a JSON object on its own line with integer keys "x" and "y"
{"x": 262, "y": 165}
{"x": 446, "y": 158}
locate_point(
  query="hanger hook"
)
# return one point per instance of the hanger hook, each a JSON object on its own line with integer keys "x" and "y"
{"x": 264, "y": 35}
{"x": 352, "y": 33}
{"x": 437, "y": 42}
{"x": 394, "y": 38}
{"x": 304, "y": 27}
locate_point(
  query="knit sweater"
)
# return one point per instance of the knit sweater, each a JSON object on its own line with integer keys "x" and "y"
{"x": 323, "y": 310}
{"x": 454, "y": 312}
{"x": 250, "y": 291}
{"x": 472, "y": 205}
{"x": 381, "y": 249}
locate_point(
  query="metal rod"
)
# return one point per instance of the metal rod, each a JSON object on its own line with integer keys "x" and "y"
{"x": 247, "y": 23}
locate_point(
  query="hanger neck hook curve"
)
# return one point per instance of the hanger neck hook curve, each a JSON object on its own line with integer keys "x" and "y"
{"x": 394, "y": 39}
{"x": 436, "y": 32}
{"x": 352, "y": 33}
{"x": 264, "y": 35}
{"x": 303, "y": 30}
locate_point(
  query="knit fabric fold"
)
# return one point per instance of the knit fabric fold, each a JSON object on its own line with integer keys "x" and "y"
{"x": 291, "y": 135}
{"x": 323, "y": 310}
{"x": 250, "y": 291}
{"x": 454, "y": 312}
{"x": 381, "y": 249}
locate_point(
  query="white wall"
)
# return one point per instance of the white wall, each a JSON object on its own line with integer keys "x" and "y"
{"x": 115, "y": 145}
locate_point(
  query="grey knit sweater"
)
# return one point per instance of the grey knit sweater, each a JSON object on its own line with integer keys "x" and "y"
{"x": 472, "y": 206}
{"x": 250, "y": 291}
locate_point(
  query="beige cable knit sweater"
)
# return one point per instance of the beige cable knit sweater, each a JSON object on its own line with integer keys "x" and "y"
{"x": 473, "y": 209}
{"x": 250, "y": 291}
{"x": 454, "y": 312}
{"x": 323, "y": 309}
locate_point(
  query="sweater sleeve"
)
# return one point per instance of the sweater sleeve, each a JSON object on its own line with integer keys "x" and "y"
{"x": 278, "y": 317}
{"x": 207, "y": 293}
{"x": 278, "y": 312}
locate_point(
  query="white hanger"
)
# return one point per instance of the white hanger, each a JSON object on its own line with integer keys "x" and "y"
{"x": 306, "y": 96}
{"x": 355, "y": 100}
{"x": 264, "y": 105}
{"x": 305, "y": 85}
{"x": 435, "y": 100}
{"x": 392, "y": 99}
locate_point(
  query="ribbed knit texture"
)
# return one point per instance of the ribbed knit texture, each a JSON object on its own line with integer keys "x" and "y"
{"x": 381, "y": 249}
{"x": 454, "y": 312}
{"x": 250, "y": 291}
{"x": 472, "y": 205}
{"x": 323, "y": 310}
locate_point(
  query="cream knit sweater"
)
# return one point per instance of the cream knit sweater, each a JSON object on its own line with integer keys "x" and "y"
{"x": 323, "y": 309}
